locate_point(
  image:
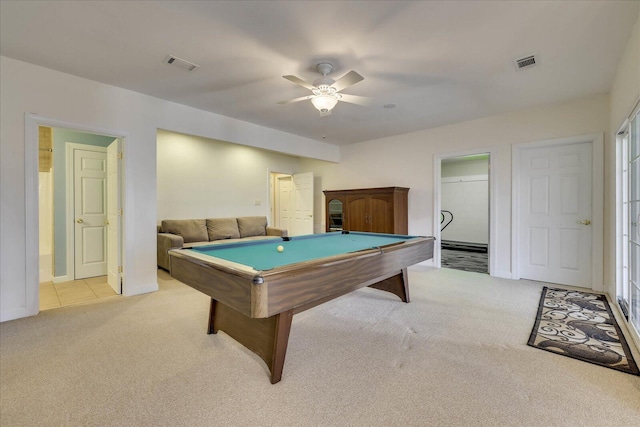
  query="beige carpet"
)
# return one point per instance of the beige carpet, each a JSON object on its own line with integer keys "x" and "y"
{"x": 455, "y": 356}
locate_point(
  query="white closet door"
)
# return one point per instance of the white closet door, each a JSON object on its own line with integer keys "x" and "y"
{"x": 555, "y": 214}
{"x": 90, "y": 209}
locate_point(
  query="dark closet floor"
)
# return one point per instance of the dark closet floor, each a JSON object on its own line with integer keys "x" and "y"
{"x": 477, "y": 262}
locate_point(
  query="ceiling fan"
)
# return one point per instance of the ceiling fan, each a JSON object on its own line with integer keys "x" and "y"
{"x": 326, "y": 91}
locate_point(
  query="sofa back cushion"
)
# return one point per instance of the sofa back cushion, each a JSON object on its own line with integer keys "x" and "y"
{"x": 252, "y": 226}
{"x": 191, "y": 230}
{"x": 222, "y": 228}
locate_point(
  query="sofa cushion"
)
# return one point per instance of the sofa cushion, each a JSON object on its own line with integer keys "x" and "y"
{"x": 222, "y": 228}
{"x": 191, "y": 230}
{"x": 252, "y": 226}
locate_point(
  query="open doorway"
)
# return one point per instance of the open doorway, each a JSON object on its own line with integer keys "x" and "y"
{"x": 79, "y": 216}
{"x": 465, "y": 188}
{"x": 464, "y": 213}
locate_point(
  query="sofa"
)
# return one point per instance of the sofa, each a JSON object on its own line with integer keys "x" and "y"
{"x": 185, "y": 233}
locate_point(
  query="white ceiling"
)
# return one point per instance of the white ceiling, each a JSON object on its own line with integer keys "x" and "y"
{"x": 440, "y": 62}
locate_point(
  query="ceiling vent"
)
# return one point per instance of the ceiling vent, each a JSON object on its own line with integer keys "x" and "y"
{"x": 526, "y": 62}
{"x": 181, "y": 63}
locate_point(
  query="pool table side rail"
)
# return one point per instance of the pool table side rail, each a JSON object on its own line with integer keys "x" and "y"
{"x": 296, "y": 285}
{"x": 243, "y": 288}
{"x": 247, "y": 271}
{"x": 339, "y": 276}
{"x": 221, "y": 263}
{"x": 222, "y": 284}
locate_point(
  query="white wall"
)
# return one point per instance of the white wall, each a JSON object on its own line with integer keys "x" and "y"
{"x": 78, "y": 103}
{"x": 468, "y": 201}
{"x": 45, "y": 223}
{"x": 204, "y": 178}
{"x": 464, "y": 166}
{"x": 464, "y": 191}
{"x": 407, "y": 160}
{"x": 45, "y": 220}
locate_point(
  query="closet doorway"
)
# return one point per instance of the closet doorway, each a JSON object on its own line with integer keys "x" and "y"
{"x": 463, "y": 211}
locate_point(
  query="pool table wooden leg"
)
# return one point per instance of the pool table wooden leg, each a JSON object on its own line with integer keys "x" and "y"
{"x": 398, "y": 285}
{"x": 268, "y": 337}
{"x": 212, "y": 311}
{"x": 280, "y": 342}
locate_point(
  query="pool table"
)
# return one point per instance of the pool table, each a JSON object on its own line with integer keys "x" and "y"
{"x": 255, "y": 288}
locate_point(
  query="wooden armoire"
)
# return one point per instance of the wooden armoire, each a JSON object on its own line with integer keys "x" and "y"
{"x": 376, "y": 210}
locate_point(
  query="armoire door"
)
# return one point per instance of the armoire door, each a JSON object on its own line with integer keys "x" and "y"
{"x": 380, "y": 214}
{"x": 357, "y": 213}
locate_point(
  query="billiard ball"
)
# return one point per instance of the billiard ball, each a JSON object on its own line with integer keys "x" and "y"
{"x": 280, "y": 248}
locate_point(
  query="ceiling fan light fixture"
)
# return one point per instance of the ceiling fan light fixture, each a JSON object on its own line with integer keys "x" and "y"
{"x": 326, "y": 91}
{"x": 324, "y": 103}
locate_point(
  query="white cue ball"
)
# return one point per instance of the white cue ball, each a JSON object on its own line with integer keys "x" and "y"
{"x": 280, "y": 248}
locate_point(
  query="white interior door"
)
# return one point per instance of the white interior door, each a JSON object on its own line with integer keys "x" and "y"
{"x": 555, "y": 196}
{"x": 303, "y": 201}
{"x": 90, "y": 212}
{"x": 284, "y": 196}
{"x": 113, "y": 216}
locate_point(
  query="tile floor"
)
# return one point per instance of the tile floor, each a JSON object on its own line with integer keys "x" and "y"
{"x": 74, "y": 292}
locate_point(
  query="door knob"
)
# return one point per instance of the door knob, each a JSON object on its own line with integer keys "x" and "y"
{"x": 106, "y": 222}
{"x": 79, "y": 220}
{"x": 584, "y": 222}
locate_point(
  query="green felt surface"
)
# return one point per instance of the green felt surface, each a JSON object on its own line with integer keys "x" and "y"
{"x": 263, "y": 254}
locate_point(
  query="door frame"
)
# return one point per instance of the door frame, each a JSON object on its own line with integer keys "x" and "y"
{"x": 114, "y": 215}
{"x": 437, "y": 203}
{"x": 622, "y": 222}
{"x": 70, "y": 148}
{"x": 32, "y": 208}
{"x": 597, "y": 201}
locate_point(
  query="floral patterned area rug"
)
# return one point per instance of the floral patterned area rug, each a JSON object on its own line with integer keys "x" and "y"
{"x": 581, "y": 325}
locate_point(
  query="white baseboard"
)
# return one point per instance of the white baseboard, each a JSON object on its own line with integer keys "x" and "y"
{"x": 421, "y": 267}
{"x": 503, "y": 274}
{"x": 18, "y": 313}
{"x": 127, "y": 291}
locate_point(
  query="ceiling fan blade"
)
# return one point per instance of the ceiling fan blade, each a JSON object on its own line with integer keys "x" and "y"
{"x": 299, "y": 81}
{"x": 347, "y": 80}
{"x": 355, "y": 99}
{"x": 291, "y": 101}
